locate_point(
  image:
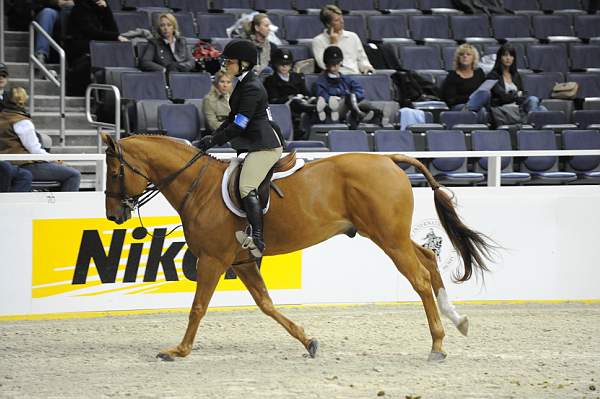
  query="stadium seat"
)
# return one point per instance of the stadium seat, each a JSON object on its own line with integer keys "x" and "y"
{"x": 307, "y": 4}
{"x": 189, "y": 5}
{"x": 214, "y": 25}
{"x": 398, "y": 141}
{"x": 555, "y": 120}
{"x": 497, "y": 140}
{"x": 348, "y": 5}
{"x": 429, "y": 27}
{"x": 585, "y": 57}
{"x": 565, "y": 106}
{"x": 512, "y": 28}
{"x": 143, "y": 85}
{"x": 147, "y": 115}
{"x": 589, "y": 83}
{"x": 420, "y": 57}
{"x": 189, "y": 84}
{"x": 461, "y": 120}
{"x": 448, "y": 57}
{"x": 543, "y": 169}
{"x": 523, "y": 7}
{"x": 143, "y": 3}
{"x": 186, "y": 24}
{"x": 356, "y": 24}
{"x": 282, "y": 115}
{"x": 348, "y": 140}
{"x": 127, "y": 21}
{"x": 586, "y": 167}
{"x": 301, "y": 26}
{"x": 553, "y": 28}
{"x": 587, "y": 119}
{"x": 387, "y": 26}
{"x": 548, "y": 57}
{"x": 562, "y": 6}
{"x": 471, "y": 28}
{"x": 541, "y": 84}
{"x": 272, "y": 5}
{"x": 428, "y": 125}
{"x": 450, "y": 170}
{"x": 112, "y": 54}
{"x": 306, "y": 146}
{"x": 410, "y": 6}
{"x": 298, "y": 51}
{"x": 179, "y": 120}
{"x": 438, "y": 6}
{"x": 587, "y": 26}
{"x": 378, "y": 87}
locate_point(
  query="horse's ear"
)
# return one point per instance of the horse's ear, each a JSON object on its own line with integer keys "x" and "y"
{"x": 109, "y": 141}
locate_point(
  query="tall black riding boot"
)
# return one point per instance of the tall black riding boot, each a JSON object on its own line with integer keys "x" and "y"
{"x": 352, "y": 103}
{"x": 255, "y": 218}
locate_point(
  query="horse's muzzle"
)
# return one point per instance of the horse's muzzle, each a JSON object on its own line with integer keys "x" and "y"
{"x": 125, "y": 215}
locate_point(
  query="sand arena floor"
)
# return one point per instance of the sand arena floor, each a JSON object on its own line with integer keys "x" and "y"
{"x": 513, "y": 351}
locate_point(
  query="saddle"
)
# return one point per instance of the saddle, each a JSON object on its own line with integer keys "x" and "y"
{"x": 284, "y": 164}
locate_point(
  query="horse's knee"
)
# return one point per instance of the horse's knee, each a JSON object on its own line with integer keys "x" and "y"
{"x": 267, "y": 307}
{"x": 197, "y": 312}
{"x": 422, "y": 283}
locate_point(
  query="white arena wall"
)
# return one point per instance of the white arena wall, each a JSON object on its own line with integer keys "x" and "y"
{"x": 549, "y": 235}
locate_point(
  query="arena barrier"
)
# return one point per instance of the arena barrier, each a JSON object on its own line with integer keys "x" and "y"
{"x": 60, "y": 254}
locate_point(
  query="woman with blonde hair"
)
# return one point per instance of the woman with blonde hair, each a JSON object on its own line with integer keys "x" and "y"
{"x": 215, "y": 105}
{"x": 169, "y": 51}
{"x": 18, "y": 136}
{"x": 459, "y": 90}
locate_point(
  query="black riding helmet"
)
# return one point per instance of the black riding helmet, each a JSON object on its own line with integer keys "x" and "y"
{"x": 282, "y": 56}
{"x": 333, "y": 55}
{"x": 243, "y": 50}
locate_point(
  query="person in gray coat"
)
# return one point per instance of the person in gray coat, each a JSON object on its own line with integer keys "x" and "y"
{"x": 169, "y": 51}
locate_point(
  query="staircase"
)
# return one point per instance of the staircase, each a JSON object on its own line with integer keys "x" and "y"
{"x": 80, "y": 136}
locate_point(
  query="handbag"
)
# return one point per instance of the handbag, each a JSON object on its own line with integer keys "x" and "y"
{"x": 565, "y": 91}
{"x": 507, "y": 114}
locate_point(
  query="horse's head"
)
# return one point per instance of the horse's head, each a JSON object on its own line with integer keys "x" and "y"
{"x": 124, "y": 182}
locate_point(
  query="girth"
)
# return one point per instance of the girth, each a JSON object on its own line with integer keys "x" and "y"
{"x": 233, "y": 185}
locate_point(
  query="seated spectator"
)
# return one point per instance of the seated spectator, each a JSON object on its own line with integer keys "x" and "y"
{"x": 459, "y": 90}
{"x": 355, "y": 58}
{"x": 509, "y": 89}
{"x": 3, "y": 82}
{"x": 340, "y": 93}
{"x": 89, "y": 20}
{"x": 47, "y": 14}
{"x": 169, "y": 51}
{"x": 258, "y": 33}
{"x": 17, "y": 136}
{"x": 215, "y": 105}
{"x": 14, "y": 178}
{"x": 285, "y": 86}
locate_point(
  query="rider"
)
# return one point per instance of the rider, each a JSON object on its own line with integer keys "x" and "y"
{"x": 250, "y": 129}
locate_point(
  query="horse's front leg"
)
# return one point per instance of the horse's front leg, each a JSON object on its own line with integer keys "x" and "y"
{"x": 208, "y": 272}
{"x": 255, "y": 284}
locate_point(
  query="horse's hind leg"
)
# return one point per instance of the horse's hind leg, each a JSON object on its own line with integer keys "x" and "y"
{"x": 252, "y": 279}
{"x": 210, "y": 269}
{"x": 428, "y": 259}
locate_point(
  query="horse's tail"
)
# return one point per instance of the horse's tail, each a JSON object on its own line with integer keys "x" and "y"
{"x": 472, "y": 246}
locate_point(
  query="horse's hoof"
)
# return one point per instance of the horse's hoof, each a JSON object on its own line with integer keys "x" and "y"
{"x": 165, "y": 357}
{"x": 463, "y": 325}
{"x": 312, "y": 347}
{"x": 436, "y": 356}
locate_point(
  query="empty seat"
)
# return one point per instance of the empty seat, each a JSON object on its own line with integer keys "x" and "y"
{"x": 585, "y": 57}
{"x": 269, "y": 5}
{"x": 356, "y": 24}
{"x": 282, "y": 115}
{"x": 408, "y": 5}
{"x": 127, "y": 21}
{"x": 551, "y": 25}
{"x": 547, "y": 119}
{"x": 515, "y": 27}
{"x": 189, "y": 85}
{"x": 420, "y": 57}
{"x": 225, "y": 4}
{"x": 348, "y": 5}
{"x": 428, "y": 26}
{"x": 450, "y": 170}
{"x": 143, "y": 3}
{"x": 398, "y": 141}
{"x": 387, "y": 26}
{"x": 587, "y": 119}
{"x": 179, "y": 120}
{"x": 306, "y": 4}
{"x": 112, "y": 54}
{"x": 214, "y": 25}
{"x": 186, "y": 24}
{"x": 589, "y": 83}
{"x": 348, "y": 140}
{"x": 306, "y": 146}
{"x": 562, "y": 6}
{"x": 587, "y": 26}
{"x": 471, "y": 28}
{"x": 189, "y": 5}
{"x": 547, "y": 57}
{"x": 147, "y": 115}
{"x": 554, "y": 104}
{"x": 542, "y": 168}
{"x": 439, "y": 6}
{"x": 143, "y": 85}
{"x": 587, "y": 167}
{"x": 302, "y": 26}
{"x": 461, "y": 120}
{"x": 541, "y": 84}
{"x": 527, "y": 7}
{"x": 497, "y": 140}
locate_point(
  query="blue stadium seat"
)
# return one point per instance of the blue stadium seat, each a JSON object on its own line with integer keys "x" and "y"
{"x": 549, "y": 120}
{"x": 189, "y": 84}
{"x": 461, "y": 120}
{"x": 587, "y": 119}
{"x": 450, "y": 170}
{"x": 438, "y": 6}
{"x": 214, "y": 25}
{"x": 586, "y": 167}
{"x": 541, "y": 84}
{"x": 356, "y": 24}
{"x": 387, "y": 26}
{"x": 306, "y": 146}
{"x": 587, "y": 26}
{"x": 349, "y": 5}
{"x": 269, "y": 5}
{"x": 301, "y": 26}
{"x": 551, "y": 25}
{"x": 143, "y": 3}
{"x": 179, "y": 120}
{"x": 471, "y": 28}
{"x": 524, "y": 7}
{"x": 584, "y": 57}
{"x": 112, "y": 54}
{"x": 147, "y": 115}
{"x": 497, "y": 140}
{"x": 282, "y": 115}
{"x": 420, "y": 57}
{"x": 589, "y": 83}
{"x": 127, "y": 21}
{"x": 562, "y": 6}
{"x": 306, "y": 4}
{"x": 348, "y": 140}
{"x": 406, "y": 5}
{"x": 548, "y": 57}
{"x": 512, "y": 28}
{"x": 378, "y": 87}
{"x": 543, "y": 169}
{"x": 429, "y": 26}
{"x": 189, "y": 5}
{"x": 448, "y": 57}
{"x": 186, "y": 24}
{"x": 398, "y": 141}
{"x": 143, "y": 85}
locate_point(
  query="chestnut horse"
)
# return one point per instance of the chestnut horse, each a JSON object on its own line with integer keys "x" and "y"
{"x": 345, "y": 194}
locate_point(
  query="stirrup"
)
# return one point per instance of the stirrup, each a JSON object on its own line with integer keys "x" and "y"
{"x": 246, "y": 241}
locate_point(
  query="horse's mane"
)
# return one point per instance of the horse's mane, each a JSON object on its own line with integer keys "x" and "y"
{"x": 180, "y": 144}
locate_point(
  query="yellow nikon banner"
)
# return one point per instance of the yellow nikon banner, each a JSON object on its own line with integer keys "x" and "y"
{"x": 95, "y": 257}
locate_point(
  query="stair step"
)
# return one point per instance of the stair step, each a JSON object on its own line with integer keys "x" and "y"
{"x": 51, "y": 103}
{"x": 73, "y": 137}
{"x": 20, "y": 70}
{"x": 74, "y": 149}
{"x": 51, "y": 120}
{"x": 16, "y": 54}
{"x": 42, "y": 87}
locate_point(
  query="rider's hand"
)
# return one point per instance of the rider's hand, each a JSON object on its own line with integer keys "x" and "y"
{"x": 205, "y": 142}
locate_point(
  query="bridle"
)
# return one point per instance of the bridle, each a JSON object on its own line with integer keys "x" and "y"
{"x": 130, "y": 202}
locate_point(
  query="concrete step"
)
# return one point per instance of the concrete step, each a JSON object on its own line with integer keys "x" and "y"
{"x": 51, "y": 120}
{"x": 20, "y": 70}
{"x": 16, "y": 54}
{"x": 73, "y": 138}
{"x": 42, "y": 87}
{"x": 75, "y": 149}
{"x": 51, "y": 103}
{"x": 20, "y": 39}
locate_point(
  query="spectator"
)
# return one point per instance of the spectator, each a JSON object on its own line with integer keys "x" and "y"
{"x": 169, "y": 51}
{"x": 17, "y": 136}
{"x": 258, "y": 33}
{"x": 355, "y": 58}
{"x": 509, "y": 88}
{"x": 3, "y": 82}
{"x": 340, "y": 93}
{"x": 459, "y": 90}
{"x": 47, "y": 14}
{"x": 216, "y": 103}
{"x": 89, "y": 20}
{"x": 285, "y": 86}
{"x": 14, "y": 178}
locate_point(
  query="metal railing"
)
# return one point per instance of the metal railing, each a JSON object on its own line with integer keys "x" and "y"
{"x": 88, "y": 111}
{"x": 33, "y": 62}
{"x": 2, "y": 27}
